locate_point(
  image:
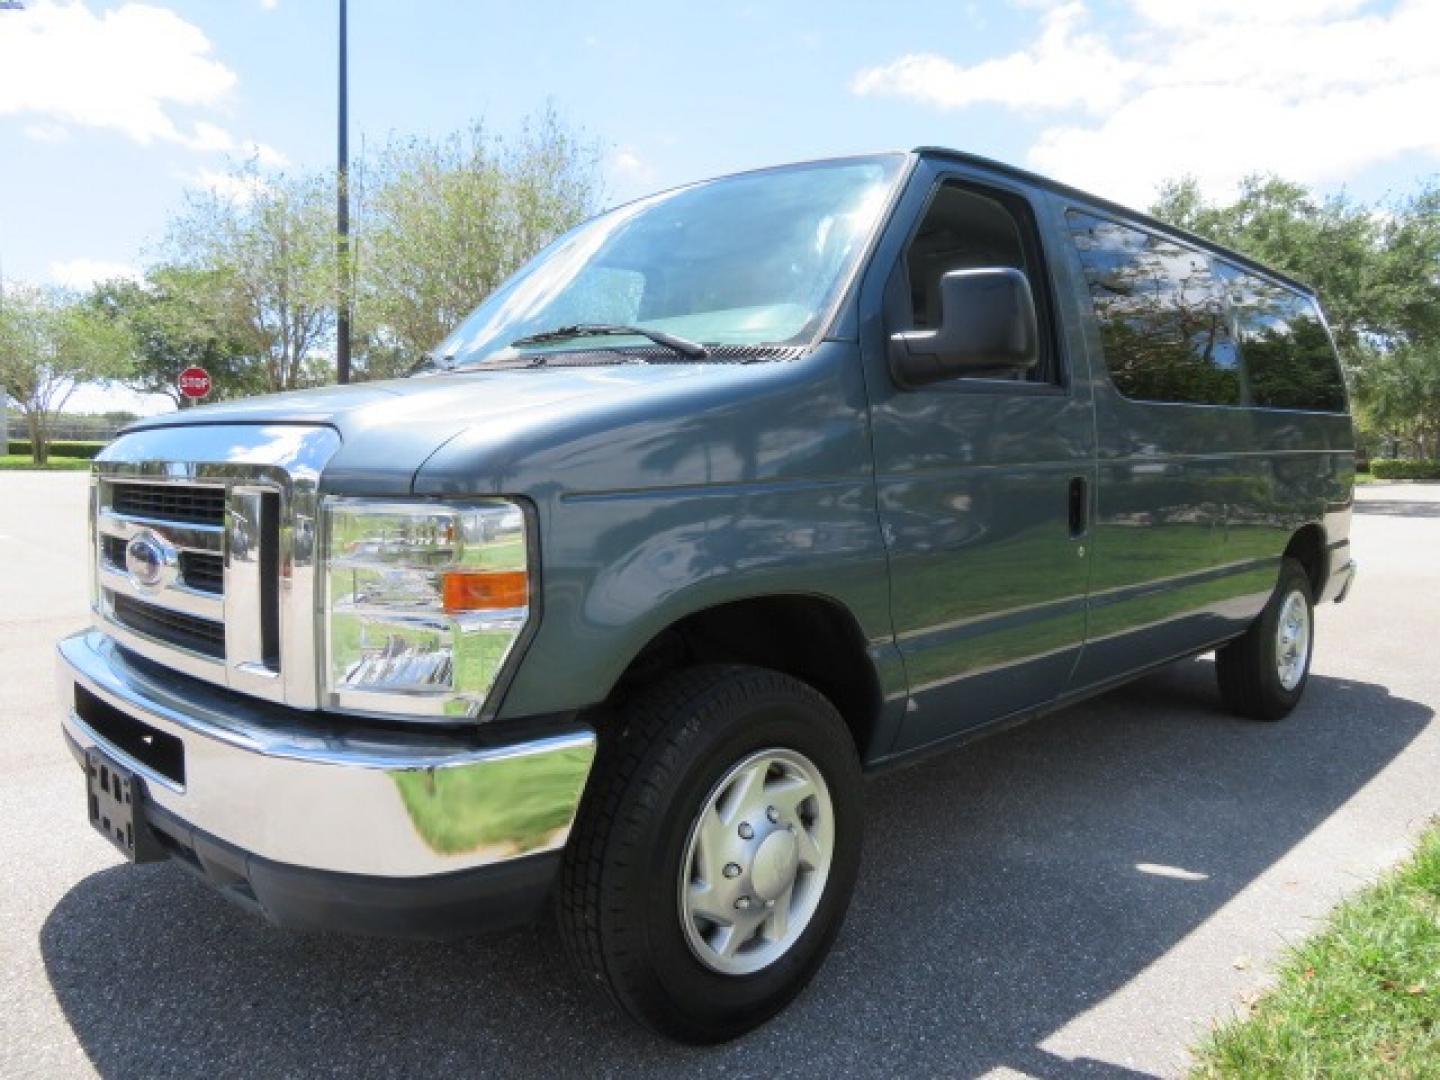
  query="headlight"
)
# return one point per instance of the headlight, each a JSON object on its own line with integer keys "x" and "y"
{"x": 424, "y": 603}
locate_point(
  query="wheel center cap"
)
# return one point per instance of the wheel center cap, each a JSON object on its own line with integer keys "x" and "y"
{"x": 776, "y": 861}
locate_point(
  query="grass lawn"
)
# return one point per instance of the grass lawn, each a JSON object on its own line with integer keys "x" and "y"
{"x": 1360, "y": 999}
{"x": 1363, "y": 478}
{"x": 22, "y": 461}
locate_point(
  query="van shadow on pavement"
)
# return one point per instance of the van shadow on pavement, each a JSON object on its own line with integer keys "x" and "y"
{"x": 999, "y": 899}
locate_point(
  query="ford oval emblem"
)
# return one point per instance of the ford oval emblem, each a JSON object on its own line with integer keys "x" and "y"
{"x": 147, "y": 556}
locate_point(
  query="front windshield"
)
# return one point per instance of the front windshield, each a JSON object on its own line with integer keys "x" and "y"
{"x": 749, "y": 260}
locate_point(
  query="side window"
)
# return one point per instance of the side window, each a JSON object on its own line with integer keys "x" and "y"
{"x": 1163, "y": 323}
{"x": 1288, "y": 359}
{"x": 965, "y": 229}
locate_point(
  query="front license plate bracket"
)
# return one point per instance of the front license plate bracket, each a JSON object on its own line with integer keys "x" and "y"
{"x": 116, "y": 800}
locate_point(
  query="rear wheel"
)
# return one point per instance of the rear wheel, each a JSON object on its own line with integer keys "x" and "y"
{"x": 1263, "y": 673}
{"x": 716, "y": 851}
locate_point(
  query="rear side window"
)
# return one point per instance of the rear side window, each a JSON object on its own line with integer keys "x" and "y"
{"x": 1289, "y": 361}
{"x": 1161, "y": 309}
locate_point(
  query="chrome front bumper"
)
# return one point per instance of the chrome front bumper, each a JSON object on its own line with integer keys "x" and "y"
{"x": 318, "y": 792}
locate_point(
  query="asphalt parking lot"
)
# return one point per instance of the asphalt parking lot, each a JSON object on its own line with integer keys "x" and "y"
{"x": 1078, "y": 897}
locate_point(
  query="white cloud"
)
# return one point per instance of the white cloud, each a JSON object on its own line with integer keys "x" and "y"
{"x": 269, "y": 5}
{"x": 46, "y": 133}
{"x": 125, "y": 69}
{"x": 1169, "y": 13}
{"x": 80, "y": 274}
{"x": 138, "y": 70}
{"x": 1312, "y": 89}
{"x": 629, "y": 168}
{"x": 211, "y": 138}
{"x": 267, "y": 156}
{"x": 1064, "y": 67}
{"x": 236, "y": 188}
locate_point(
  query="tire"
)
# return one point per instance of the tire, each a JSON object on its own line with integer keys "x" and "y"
{"x": 1249, "y": 668}
{"x": 622, "y": 902}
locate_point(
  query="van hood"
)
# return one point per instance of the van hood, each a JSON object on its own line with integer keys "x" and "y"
{"x": 452, "y": 397}
{"x": 390, "y": 429}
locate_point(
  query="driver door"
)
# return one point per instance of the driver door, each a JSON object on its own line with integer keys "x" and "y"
{"x": 984, "y": 483}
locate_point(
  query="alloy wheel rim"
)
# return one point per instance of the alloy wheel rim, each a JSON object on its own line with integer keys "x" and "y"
{"x": 1292, "y": 640}
{"x": 756, "y": 862}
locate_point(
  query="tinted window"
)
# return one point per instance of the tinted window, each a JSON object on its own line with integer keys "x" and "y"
{"x": 965, "y": 229}
{"x": 1289, "y": 362}
{"x": 1162, "y": 315}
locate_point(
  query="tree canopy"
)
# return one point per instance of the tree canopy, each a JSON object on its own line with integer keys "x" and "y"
{"x": 173, "y": 319}
{"x": 244, "y": 282}
{"x": 49, "y": 345}
{"x": 442, "y": 223}
{"x": 263, "y": 266}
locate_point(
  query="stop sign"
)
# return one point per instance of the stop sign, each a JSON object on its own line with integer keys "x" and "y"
{"x": 194, "y": 382}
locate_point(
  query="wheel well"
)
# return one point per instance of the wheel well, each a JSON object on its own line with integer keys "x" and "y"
{"x": 1307, "y": 546}
{"x": 814, "y": 640}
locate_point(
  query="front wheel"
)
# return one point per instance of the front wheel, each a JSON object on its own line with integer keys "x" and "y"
{"x": 1263, "y": 673}
{"x": 716, "y": 851}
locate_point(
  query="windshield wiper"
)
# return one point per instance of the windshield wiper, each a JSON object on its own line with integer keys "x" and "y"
{"x": 432, "y": 361}
{"x": 693, "y": 349}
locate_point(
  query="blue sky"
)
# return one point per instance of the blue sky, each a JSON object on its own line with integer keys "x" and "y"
{"x": 109, "y": 110}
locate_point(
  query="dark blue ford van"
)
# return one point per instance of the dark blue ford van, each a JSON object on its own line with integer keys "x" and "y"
{"x": 732, "y": 494}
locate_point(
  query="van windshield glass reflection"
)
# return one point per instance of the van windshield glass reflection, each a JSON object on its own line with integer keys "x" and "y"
{"x": 751, "y": 260}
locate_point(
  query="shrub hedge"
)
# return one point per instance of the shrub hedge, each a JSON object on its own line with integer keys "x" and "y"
{"x": 1404, "y": 469}
{"x": 60, "y": 448}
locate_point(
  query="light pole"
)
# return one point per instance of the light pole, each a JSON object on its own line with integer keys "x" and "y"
{"x": 6, "y": 5}
{"x": 342, "y": 216}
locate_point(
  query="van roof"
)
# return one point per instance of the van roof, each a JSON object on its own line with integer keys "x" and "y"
{"x": 1116, "y": 208}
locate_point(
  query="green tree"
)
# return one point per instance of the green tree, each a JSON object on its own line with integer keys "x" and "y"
{"x": 49, "y": 344}
{"x": 172, "y": 316}
{"x": 1398, "y": 393}
{"x": 267, "y": 264}
{"x": 441, "y": 223}
{"x": 1404, "y": 284}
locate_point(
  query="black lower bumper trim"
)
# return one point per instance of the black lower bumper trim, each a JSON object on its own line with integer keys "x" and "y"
{"x": 437, "y": 907}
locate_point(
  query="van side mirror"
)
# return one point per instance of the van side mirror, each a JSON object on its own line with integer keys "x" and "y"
{"x": 987, "y": 325}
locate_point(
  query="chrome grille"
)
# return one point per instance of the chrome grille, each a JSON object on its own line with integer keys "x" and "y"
{"x": 203, "y": 542}
{"x": 112, "y": 550}
{"x": 172, "y": 502}
{"x": 184, "y": 631}
{"x": 204, "y": 572}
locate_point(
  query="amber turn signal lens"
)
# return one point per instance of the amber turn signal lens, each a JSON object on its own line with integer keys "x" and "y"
{"x": 486, "y": 590}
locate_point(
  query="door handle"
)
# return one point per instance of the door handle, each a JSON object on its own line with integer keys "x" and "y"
{"x": 1079, "y": 507}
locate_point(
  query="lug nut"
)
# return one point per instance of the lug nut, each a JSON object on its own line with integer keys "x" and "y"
{"x": 746, "y": 832}
{"x": 732, "y": 870}
{"x": 772, "y": 813}
{"x": 743, "y": 903}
